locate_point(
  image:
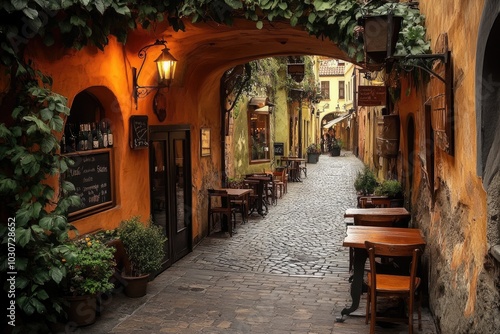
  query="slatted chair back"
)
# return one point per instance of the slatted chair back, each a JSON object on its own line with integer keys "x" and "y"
{"x": 375, "y": 220}
{"x": 401, "y": 284}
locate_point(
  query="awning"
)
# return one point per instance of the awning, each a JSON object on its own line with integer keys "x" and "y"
{"x": 335, "y": 121}
{"x": 262, "y": 105}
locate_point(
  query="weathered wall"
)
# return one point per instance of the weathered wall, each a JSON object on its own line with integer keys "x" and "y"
{"x": 453, "y": 215}
{"x": 108, "y": 75}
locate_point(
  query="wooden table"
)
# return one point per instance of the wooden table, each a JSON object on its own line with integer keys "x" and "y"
{"x": 294, "y": 170}
{"x": 238, "y": 194}
{"x": 261, "y": 203}
{"x": 392, "y": 212}
{"x": 356, "y": 237}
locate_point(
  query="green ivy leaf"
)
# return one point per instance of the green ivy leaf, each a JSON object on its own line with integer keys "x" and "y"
{"x": 56, "y": 274}
{"x": 259, "y": 25}
{"x": 7, "y": 185}
{"x": 25, "y": 305}
{"x": 23, "y": 236}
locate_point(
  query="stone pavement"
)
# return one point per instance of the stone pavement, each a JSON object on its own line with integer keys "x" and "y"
{"x": 285, "y": 273}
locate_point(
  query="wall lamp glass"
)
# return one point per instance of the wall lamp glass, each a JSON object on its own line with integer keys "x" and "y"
{"x": 165, "y": 63}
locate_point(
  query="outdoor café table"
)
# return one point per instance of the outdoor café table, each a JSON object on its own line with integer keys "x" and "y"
{"x": 293, "y": 167}
{"x": 262, "y": 179}
{"x": 237, "y": 194}
{"x": 392, "y": 212}
{"x": 356, "y": 237}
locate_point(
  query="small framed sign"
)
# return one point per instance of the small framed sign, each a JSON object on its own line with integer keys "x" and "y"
{"x": 139, "y": 132}
{"x": 279, "y": 149}
{"x": 205, "y": 142}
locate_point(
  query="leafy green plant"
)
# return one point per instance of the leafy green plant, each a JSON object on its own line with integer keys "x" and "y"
{"x": 389, "y": 188}
{"x": 144, "y": 244}
{"x": 314, "y": 148}
{"x": 90, "y": 265}
{"x": 365, "y": 182}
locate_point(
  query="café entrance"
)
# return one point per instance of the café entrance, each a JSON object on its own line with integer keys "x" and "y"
{"x": 170, "y": 175}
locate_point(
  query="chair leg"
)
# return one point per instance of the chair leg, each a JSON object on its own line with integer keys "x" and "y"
{"x": 367, "y": 307}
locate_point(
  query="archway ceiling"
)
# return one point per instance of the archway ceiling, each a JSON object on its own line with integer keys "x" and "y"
{"x": 213, "y": 48}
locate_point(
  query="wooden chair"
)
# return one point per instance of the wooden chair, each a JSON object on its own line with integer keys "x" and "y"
{"x": 279, "y": 182}
{"x": 374, "y": 220}
{"x": 392, "y": 285}
{"x": 219, "y": 203}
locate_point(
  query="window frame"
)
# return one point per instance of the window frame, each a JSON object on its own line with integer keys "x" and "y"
{"x": 267, "y": 154}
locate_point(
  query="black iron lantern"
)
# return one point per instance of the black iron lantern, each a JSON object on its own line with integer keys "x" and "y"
{"x": 380, "y": 36}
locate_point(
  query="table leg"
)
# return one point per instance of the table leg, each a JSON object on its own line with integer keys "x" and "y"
{"x": 360, "y": 256}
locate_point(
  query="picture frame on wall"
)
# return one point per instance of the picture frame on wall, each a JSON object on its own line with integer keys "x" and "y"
{"x": 205, "y": 142}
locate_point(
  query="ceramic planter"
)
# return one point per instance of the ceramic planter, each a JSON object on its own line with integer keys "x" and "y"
{"x": 82, "y": 309}
{"x": 135, "y": 287}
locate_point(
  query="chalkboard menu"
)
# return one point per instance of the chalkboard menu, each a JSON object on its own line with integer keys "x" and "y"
{"x": 139, "y": 132}
{"x": 92, "y": 177}
{"x": 279, "y": 149}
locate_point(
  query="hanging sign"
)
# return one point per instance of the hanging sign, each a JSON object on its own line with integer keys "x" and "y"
{"x": 370, "y": 96}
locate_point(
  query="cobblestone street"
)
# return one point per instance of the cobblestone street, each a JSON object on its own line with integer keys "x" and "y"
{"x": 285, "y": 273}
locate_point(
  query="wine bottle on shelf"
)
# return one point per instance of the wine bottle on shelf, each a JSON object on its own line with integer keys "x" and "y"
{"x": 71, "y": 138}
{"x": 110, "y": 136}
{"x": 104, "y": 134}
{"x": 89, "y": 137}
{"x": 100, "y": 139}
{"x": 81, "y": 139}
{"x": 95, "y": 139}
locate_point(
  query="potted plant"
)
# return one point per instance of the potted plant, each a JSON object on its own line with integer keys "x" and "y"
{"x": 334, "y": 147}
{"x": 144, "y": 246}
{"x": 390, "y": 188}
{"x": 365, "y": 182}
{"x": 313, "y": 153}
{"x": 89, "y": 266}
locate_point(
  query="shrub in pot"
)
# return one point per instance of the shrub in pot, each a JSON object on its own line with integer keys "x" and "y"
{"x": 365, "y": 182}
{"x": 390, "y": 188}
{"x": 144, "y": 245}
{"x": 89, "y": 265}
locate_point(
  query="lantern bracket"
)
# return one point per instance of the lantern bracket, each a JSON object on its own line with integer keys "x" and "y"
{"x": 140, "y": 91}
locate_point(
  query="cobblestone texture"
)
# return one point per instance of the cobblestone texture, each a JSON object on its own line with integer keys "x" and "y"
{"x": 285, "y": 273}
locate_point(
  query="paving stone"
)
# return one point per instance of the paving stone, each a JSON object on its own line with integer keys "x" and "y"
{"x": 285, "y": 273}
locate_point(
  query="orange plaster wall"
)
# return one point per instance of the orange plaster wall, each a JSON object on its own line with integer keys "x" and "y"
{"x": 458, "y": 225}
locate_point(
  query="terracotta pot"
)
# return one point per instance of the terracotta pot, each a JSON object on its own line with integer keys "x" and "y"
{"x": 135, "y": 286}
{"x": 82, "y": 309}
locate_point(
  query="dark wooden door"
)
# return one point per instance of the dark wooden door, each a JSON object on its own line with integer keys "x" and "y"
{"x": 170, "y": 175}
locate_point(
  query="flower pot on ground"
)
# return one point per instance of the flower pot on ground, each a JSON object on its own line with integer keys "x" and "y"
{"x": 334, "y": 147}
{"x": 144, "y": 245}
{"x": 313, "y": 153}
{"x": 89, "y": 265}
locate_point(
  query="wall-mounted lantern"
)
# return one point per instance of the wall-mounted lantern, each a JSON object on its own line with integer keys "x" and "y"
{"x": 296, "y": 71}
{"x": 165, "y": 63}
